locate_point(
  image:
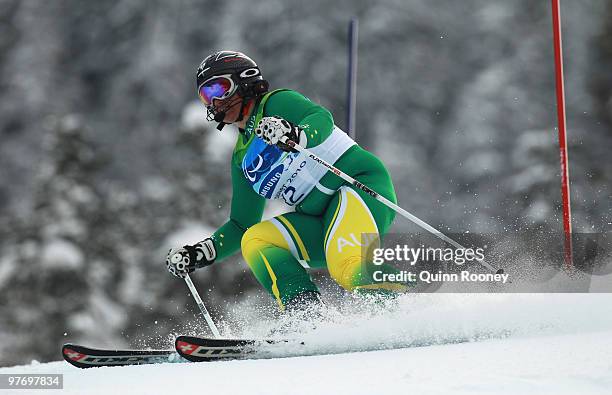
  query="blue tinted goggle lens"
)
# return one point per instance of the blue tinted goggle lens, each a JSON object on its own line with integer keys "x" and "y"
{"x": 214, "y": 89}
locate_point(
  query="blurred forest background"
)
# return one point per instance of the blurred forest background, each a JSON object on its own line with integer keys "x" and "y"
{"x": 106, "y": 160}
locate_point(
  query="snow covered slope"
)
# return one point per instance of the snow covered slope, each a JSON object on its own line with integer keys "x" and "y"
{"x": 553, "y": 344}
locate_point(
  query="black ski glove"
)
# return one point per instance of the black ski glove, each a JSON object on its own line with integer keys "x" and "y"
{"x": 182, "y": 261}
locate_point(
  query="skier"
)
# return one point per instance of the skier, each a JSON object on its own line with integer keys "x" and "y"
{"x": 332, "y": 223}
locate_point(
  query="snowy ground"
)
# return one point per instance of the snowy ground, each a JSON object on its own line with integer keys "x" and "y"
{"x": 534, "y": 344}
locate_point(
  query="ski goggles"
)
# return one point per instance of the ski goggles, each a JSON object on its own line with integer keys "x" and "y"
{"x": 218, "y": 87}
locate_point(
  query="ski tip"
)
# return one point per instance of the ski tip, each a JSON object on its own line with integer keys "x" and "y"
{"x": 183, "y": 346}
{"x": 72, "y": 355}
{"x": 69, "y": 353}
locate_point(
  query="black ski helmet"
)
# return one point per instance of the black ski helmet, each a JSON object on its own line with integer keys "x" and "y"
{"x": 244, "y": 73}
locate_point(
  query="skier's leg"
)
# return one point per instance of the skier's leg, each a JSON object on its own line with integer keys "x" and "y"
{"x": 279, "y": 250}
{"x": 353, "y": 215}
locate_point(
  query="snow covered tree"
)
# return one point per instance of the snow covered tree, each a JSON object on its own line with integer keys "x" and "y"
{"x": 53, "y": 247}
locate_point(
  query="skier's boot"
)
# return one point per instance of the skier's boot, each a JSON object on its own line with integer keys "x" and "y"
{"x": 304, "y": 302}
{"x": 301, "y": 314}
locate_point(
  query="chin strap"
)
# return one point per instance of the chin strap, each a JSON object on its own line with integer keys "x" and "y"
{"x": 220, "y": 116}
{"x": 242, "y": 106}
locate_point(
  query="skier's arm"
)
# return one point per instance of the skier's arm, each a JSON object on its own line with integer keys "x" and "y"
{"x": 246, "y": 210}
{"x": 316, "y": 121}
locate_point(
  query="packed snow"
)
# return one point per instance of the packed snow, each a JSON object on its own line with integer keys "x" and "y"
{"x": 422, "y": 344}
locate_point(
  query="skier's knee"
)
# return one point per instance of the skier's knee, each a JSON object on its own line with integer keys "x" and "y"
{"x": 346, "y": 272}
{"x": 258, "y": 237}
{"x": 353, "y": 274}
{"x": 252, "y": 241}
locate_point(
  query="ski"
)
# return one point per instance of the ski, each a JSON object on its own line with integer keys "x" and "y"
{"x": 193, "y": 349}
{"x": 203, "y": 349}
{"x": 85, "y": 357}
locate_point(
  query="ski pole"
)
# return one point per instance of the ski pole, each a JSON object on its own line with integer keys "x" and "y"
{"x": 382, "y": 199}
{"x": 207, "y": 317}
